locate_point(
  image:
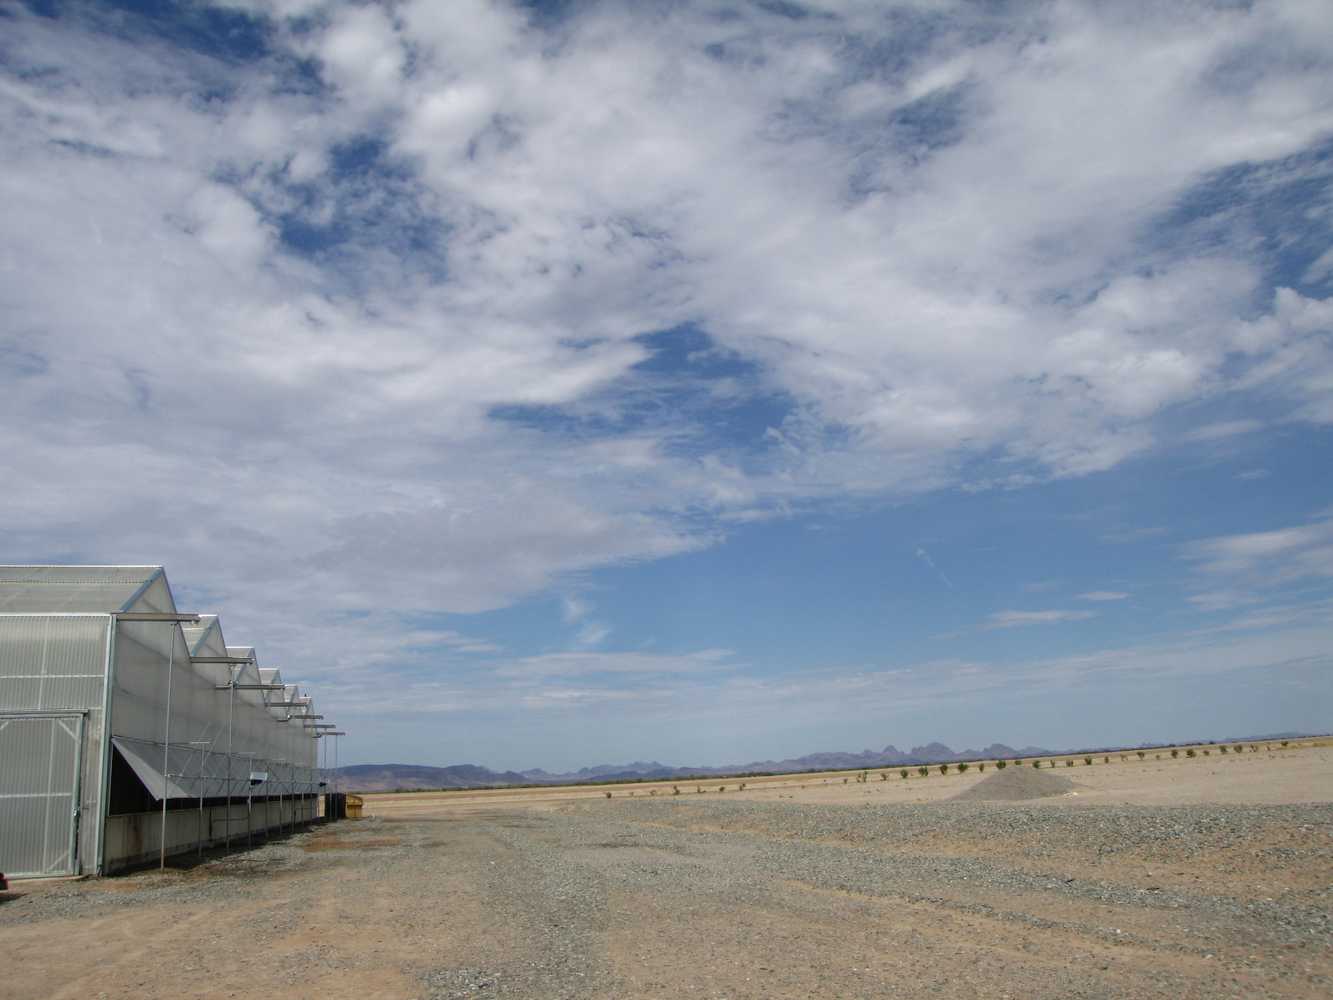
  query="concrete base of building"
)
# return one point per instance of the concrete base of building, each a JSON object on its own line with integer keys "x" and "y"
{"x": 135, "y": 839}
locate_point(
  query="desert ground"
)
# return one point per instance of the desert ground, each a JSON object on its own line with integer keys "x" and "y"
{"x": 1188, "y": 877}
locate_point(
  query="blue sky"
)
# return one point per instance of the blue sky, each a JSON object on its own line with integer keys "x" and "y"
{"x": 709, "y": 382}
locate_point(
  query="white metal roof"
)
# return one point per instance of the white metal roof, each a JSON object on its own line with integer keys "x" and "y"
{"x": 73, "y": 589}
{"x": 197, "y": 635}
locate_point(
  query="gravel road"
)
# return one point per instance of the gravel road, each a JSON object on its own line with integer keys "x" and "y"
{"x": 713, "y": 897}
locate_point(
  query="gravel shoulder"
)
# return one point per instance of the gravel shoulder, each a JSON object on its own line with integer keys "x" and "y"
{"x": 715, "y": 896}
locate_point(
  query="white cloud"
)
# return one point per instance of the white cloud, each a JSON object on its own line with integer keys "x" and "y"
{"x": 593, "y": 634}
{"x": 1223, "y": 429}
{"x": 574, "y": 609}
{"x": 1103, "y": 595}
{"x": 585, "y": 663}
{"x": 1278, "y": 556}
{"x": 362, "y": 55}
{"x": 1221, "y": 600}
{"x": 1017, "y": 619}
{"x": 280, "y": 421}
{"x": 709, "y": 688}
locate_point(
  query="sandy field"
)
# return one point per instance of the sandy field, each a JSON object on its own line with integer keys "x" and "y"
{"x": 1245, "y": 778}
{"x": 1203, "y": 877}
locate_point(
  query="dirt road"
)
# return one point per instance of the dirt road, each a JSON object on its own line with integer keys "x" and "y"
{"x": 717, "y": 895}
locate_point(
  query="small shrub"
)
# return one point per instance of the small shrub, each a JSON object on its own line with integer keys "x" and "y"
{"x": 1207, "y": 753}
{"x": 883, "y": 775}
{"x": 1142, "y": 754}
{"x": 742, "y": 788}
{"x": 1175, "y": 753}
{"x": 1106, "y": 760}
{"x": 608, "y": 795}
{"x": 1000, "y": 765}
{"x": 1189, "y": 753}
{"x": 923, "y": 771}
{"x": 1036, "y": 763}
{"x": 962, "y": 768}
{"x": 1069, "y": 763}
{"x": 944, "y": 769}
{"x": 981, "y": 767}
{"x": 675, "y": 789}
{"x": 903, "y": 774}
{"x": 1222, "y": 749}
{"x": 1157, "y": 756}
{"x": 1087, "y": 762}
{"x": 700, "y": 789}
{"x": 844, "y": 781}
{"x": 721, "y": 788}
{"x": 1285, "y": 742}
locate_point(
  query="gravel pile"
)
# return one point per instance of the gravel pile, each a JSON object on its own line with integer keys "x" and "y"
{"x": 1017, "y": 784}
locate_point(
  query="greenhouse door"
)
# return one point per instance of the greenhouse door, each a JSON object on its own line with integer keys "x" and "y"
{"x": 40, "y": 759}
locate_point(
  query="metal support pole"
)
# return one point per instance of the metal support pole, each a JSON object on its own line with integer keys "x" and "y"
{"x": 203, "y": 756}
{"x": 231, "y": 710}
{"x": 166, "y": 751}
{"x": 324, "y": 775}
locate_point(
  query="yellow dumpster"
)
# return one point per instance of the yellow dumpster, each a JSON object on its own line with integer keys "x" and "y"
{"x": 354, "y": 804}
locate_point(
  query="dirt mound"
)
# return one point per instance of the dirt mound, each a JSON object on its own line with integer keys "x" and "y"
{"x": 1015, "y": 784}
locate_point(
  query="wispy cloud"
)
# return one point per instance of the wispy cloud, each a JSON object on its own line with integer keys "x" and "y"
{"x": 1104, "y": 595}
{"x": 453, "y": 640}
{"x": 712, "y": 662}
{"x": 574, "y": 609}
{"x": 705, "y": 686}
{"x": 1274, "y": 617}
{"x": 1281, "y": 555}
{"x": 593, "y": 634}
{"x": 924, "y": 556}
{"x": 1223, "y": 429}
{"x": 1041, "y": 586}
{"x": 1222, "y": 600}
{"x": 1019, "y": 619}
{"x": 1125, "y": 536}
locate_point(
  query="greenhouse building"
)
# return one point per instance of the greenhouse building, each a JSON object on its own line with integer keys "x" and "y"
{"x": 131, "y": 731}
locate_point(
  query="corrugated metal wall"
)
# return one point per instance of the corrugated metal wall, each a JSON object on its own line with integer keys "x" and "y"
{"x": 39, "y": 787}
{"x": 50, "y": 664}
{"x": 199, "y": 713}
{"x": 52, "y": 661}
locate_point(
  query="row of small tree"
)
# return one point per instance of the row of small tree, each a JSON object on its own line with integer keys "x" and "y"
{"x": 963, "y": 767}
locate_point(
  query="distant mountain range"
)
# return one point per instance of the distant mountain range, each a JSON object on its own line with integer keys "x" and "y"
{"x": 386, "y": 777}
{"x": 413, "y": 777}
